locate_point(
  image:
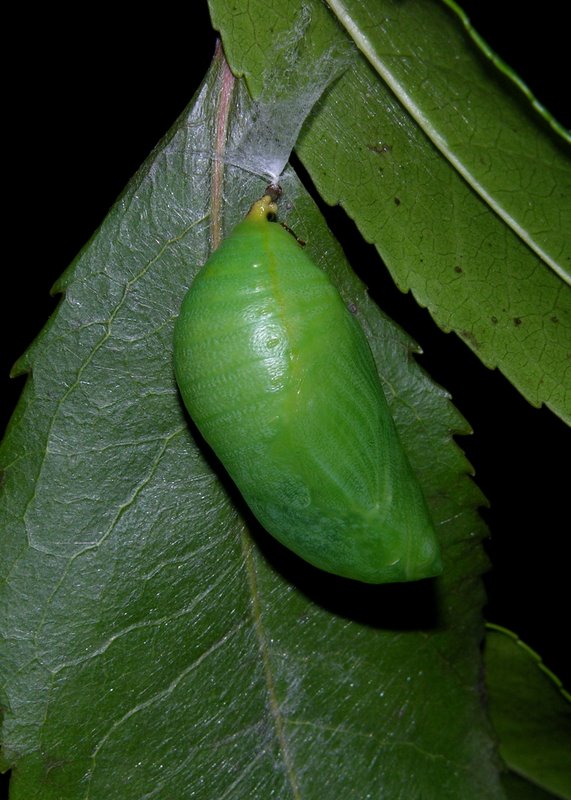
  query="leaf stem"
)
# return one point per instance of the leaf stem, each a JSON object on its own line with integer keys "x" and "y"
{"x": 227, "y": 81}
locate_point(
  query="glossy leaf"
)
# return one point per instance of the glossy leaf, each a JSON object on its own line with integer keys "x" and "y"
{"x": 445, "y": 166}
{"x": 156, "y": 639}
{"x": 530, "y": 711}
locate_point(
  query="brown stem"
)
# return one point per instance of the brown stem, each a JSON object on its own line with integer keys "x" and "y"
{"x": 226, "y": 83}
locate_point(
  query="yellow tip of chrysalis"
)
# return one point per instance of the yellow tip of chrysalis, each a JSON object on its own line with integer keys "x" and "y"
{"x": 262, "y": 209}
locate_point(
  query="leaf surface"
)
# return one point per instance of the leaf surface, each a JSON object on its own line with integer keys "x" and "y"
{"x": 444, "y": 164}
{"x": 156, "y": 639}
{"x": 531, "y": 713}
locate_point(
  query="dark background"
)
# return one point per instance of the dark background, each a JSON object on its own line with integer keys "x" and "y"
{"x": 93, "y": 97}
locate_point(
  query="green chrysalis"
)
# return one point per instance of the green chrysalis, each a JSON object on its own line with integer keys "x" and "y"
{"x": 280, "y": 380}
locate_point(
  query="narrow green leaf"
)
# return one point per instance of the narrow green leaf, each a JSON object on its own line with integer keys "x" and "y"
{"x": 445, "y": 166}
{"x": 530, "y": 711}
{"x": 478, "y": 125}
{"x": 156, "y": 640}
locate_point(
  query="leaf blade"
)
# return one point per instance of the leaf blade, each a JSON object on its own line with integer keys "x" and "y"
{"x": 469, "y": 119}
{"x": 440, "y": 239}
{"x": 530, "y": 711}
{"x": 138, "y": 607}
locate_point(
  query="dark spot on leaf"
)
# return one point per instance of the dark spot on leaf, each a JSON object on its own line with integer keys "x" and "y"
{"x": 352, "y": 308}
{"x": 397, "y": 201}
{"x": 554, "y": 319}
{"x": 51, "y": 763}
{"x": 380, "y": 148}
{"x": 517, "y": 321}
{"x": 494, "y": 320}
{"x": 471, "y": 339}
{"x": 458, "y": 269}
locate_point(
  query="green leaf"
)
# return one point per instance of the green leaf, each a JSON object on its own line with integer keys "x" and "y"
{"x": 530, "y": 711}
{"x": 445, "y": 165}
{"x": 517, "y": 788}
{"x": 157, "y": 640}
{"x": 477, "y": 124}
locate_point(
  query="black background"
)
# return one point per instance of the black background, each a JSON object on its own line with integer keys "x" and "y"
{"x": 93, "y": 95}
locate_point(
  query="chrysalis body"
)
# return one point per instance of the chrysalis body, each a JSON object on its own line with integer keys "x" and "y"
{"x": 280, "y": 380}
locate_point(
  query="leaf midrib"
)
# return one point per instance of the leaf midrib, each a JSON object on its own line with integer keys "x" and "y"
{"x": 366, "y": 47}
